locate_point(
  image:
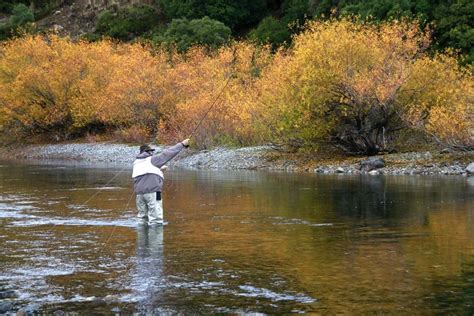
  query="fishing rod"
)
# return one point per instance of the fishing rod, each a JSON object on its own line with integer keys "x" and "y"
{"x": 210, "y": 108}
{"x": 207, "y": 112}
{"x": 217, "y": 97}
{"x": 190, "y": 136}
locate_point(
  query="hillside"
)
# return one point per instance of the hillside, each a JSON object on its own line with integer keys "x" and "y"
{"x": 79, "y": 17}
{"x": 266, "y": 21}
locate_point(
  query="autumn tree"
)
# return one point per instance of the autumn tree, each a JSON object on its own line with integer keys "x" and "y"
{"x": 438, "y": 99}
{"x": 346, "y": 83}
{"x": 212, "y": 88}
{"x": 341, "y": 83}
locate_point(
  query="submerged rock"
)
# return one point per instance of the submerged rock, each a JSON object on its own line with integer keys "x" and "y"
{"x": 372, "y": 163}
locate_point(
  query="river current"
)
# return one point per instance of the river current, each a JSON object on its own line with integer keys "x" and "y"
{"x": 237, "y": 242}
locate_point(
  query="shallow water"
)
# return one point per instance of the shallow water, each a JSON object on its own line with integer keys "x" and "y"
{"x": 237, "y": 242}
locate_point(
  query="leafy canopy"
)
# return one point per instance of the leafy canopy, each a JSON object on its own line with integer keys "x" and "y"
{"x": 232, "y": 13}
{"x": 184, "y": 33}
{"x": 271, "y": 30}
{"x": 127, "y": 22}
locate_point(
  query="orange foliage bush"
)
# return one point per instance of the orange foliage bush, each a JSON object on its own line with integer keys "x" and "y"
{"x": 50, "y": 84}
{"x": 220, "y": 80}
{"x": 354, "y": 84}
{"x": 340, "y": 82}
{"x": 343, "y": 82}
{"x": 439, "y": 99}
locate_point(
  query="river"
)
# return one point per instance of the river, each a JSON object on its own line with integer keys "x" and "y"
{"x": 237, "y": 242}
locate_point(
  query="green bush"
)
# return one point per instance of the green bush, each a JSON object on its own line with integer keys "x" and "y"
{"x": 6, "y": 6}
{"x": 20, "y": 18}
{"x": 454, "y": 27}
{"x": 21, "y": 15}
{"x": 234, "y": 14}
{"x": 184, "y": 33}
{"x": 271, "y": 30}
{"x": 41, "y": 7}
{"x": 295, "y": 10}
{"x": 127, "y": 22}
{"x": 4, "y": 32}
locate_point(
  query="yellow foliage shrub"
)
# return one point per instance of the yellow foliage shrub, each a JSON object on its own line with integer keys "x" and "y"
{"x": 439, "y": 99}
{"x": 211, "y": 88}
{"x": 50, "y": 84}
{"x": 345, "y": 82}
{"x": 340, "y": 81}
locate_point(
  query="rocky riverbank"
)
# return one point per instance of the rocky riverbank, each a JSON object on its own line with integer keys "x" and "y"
{"x": 258, "y": 158}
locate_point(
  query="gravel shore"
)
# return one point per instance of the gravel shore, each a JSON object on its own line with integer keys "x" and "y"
{"x": 252, "y": 158}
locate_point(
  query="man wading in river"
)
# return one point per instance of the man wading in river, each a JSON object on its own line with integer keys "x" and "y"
{"x": 148, "y": 181}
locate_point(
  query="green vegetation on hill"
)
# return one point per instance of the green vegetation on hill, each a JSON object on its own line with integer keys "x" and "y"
{"x": 127, "y": 23}
{"x": 183, "y": 33}
{"x": 6, "y": 6}
{"x": 234, "y": 14}
{"x": 21, "y": 16}
{"x": 452, "y": 21}
{"x": 265, "y": 21}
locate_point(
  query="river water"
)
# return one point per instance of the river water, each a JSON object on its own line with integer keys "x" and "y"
{"x": 237, "y": 242}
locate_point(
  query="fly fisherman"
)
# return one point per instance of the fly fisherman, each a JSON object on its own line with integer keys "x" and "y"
{"x": 148, "y": 181}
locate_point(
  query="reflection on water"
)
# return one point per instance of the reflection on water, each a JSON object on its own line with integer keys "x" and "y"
{"x": 147, "y": 277}
{"x": 238, "y": 242}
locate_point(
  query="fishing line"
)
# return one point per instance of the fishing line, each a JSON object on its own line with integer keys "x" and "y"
{"x": 115, "y": 226}
{"x": 207, "y": 112}
{"x": 191, "y": 135}
{"x": 210, "y": 108}
{"x": 99, "y": 190}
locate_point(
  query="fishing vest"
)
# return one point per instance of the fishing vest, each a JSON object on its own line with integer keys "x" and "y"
{"x": 144, "y": 166}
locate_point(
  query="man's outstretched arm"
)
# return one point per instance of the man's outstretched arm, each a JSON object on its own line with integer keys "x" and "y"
{"x": 169, "y": 153}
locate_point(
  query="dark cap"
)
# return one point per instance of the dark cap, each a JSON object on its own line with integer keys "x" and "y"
{"x": 144, "y": 148}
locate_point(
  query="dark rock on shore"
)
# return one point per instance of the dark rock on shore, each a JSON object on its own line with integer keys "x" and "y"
{"x": 372, "y": 163}
{"x": 470, "y": 168}
{"x": 5, "y": 307}
{"x": 29, "y": 310}
{"x": 256, "y": 158}
{"x": 7, "y": 294}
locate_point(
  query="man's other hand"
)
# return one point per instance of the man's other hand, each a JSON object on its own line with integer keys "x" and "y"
{"x": 185, "y": 142}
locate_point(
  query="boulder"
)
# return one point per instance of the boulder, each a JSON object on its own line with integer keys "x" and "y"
{"x": 5, "y": 307}
{"x": 7, "y": 294}
{"x": 470, "y": 168}
{"x": 371, "y": 163}
{"x": 57, "y": 28}
{"x": 31, "y": 309}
